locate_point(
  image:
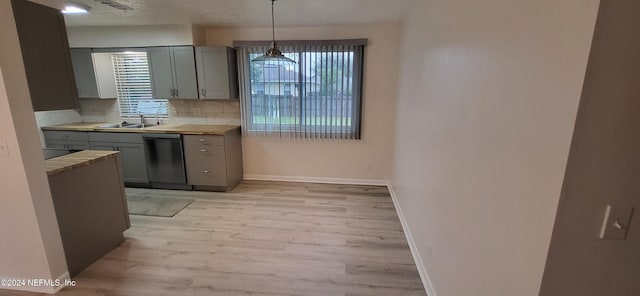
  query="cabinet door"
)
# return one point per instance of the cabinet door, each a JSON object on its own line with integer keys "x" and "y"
{"x": 84, "y": 73}
{"x": 45, "y": 52}
{"x": 105, "y": 77}
{"x": 161, "y": 72}
{"x": 134, "y": 163}
{"x": 184, "y": 75}
{"x": 213, "y": 74}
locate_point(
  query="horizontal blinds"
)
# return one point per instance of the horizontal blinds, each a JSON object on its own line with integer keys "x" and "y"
{"x": 317, "y": 97}
{"x": 133, "y": 84}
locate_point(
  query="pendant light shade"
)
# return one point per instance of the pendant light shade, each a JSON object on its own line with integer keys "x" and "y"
{"x": 273, "y": 54}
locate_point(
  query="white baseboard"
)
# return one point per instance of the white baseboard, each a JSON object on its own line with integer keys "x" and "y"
{"x": 48, "y": 289}
{"x": 316, "y": 180}
{"x": 422, "y": 270}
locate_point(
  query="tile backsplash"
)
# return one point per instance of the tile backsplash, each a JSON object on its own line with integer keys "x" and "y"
{"x": 180, "y": 112}
{"x": 204, "y": 112}
{"x": 105, "y": 110}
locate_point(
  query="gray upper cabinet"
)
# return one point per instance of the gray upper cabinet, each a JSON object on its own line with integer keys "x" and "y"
{"x": 45, "y": 52}
{"x": 84, "y": 73}
{"x": 94, "y": 74}
{"x": 161, "y": 73}
{"x": 184, "y": 66}
{"x": 173, "y": 72}
{"x": 217, "y": 72}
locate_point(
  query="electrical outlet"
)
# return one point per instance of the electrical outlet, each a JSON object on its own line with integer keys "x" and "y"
{"x": 4, "y": 148}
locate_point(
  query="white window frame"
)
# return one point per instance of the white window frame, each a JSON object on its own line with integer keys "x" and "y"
{"x": 321, "y": 124}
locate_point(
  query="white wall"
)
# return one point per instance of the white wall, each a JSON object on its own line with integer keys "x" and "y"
{"x": 487, "y": 101}
{"x": 31, "y": 245}
{"x": 365, "y": 160}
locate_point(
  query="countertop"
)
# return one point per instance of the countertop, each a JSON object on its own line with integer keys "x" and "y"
{"x": 185, "y": 129}
{"x": 74, "y": 160}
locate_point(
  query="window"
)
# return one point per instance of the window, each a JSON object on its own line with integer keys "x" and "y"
{"x": 317, "y": 97}
{"x": 133, "y": 84}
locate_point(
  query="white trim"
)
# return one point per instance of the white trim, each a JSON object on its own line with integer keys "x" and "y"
{"x": 40, "y": 289}
{"x": 316, "y": 180}
{"x": 422, "y": 270}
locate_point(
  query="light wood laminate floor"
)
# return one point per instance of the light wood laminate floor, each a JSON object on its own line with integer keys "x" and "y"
{"x": 263, "y": 238}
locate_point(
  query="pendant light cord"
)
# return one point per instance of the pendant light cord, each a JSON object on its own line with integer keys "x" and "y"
{"x": 273, "y": 26}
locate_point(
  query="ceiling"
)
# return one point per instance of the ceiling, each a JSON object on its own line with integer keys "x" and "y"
{"x": 242, "y": 13}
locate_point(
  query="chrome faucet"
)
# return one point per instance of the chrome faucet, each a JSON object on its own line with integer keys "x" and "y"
{"x": 142, "y": 119}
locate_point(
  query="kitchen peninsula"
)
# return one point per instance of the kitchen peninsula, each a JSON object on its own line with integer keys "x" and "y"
{"x": 90, "y": 204}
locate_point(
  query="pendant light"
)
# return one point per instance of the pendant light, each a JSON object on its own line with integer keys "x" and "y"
{"x": 273, "y": 54}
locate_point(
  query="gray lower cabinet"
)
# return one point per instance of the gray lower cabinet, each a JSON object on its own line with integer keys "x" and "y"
{"x": 66, "y": 140}
{"x": 79, "y": 145}
{"x": 213, "y": 162}
{"x": 131, "y": 147}
{"x": 205, "y": 164}
{"x": 134, "y": 162}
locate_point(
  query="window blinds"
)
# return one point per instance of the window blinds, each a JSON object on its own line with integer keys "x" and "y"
{"x": 319, "y": 97}
{"x": 133, "y": 84}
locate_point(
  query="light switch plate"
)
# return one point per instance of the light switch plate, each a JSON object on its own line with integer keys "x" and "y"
{"x": 616, "y": 222}
{"x": 4, "y": 148}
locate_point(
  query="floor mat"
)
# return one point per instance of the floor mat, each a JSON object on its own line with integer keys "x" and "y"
{"x": 156, "y": 206}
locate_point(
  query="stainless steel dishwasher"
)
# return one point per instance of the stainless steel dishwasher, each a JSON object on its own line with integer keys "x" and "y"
{"x": 165, "y": 161}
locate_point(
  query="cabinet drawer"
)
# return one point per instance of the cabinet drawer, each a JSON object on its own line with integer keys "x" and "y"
{"x": 78, "y": 145}
{"x": 206, "y": 165}
{"x": 115, "y": 137}
{"x": 71, "y": 145}
{"x": 56, "y": 144}
{"x": 194, "y": 140}
{"x": 65, "y": 136}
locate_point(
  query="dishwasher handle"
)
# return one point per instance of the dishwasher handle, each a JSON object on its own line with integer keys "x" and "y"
{"x": 161, "y": 136}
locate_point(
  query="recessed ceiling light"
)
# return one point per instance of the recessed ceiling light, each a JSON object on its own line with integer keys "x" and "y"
{"x": 75, "y": 9}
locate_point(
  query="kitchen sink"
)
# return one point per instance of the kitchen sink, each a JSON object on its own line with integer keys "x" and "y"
{"x": 111, "y": 125}
{"x": 123, "y": 125}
